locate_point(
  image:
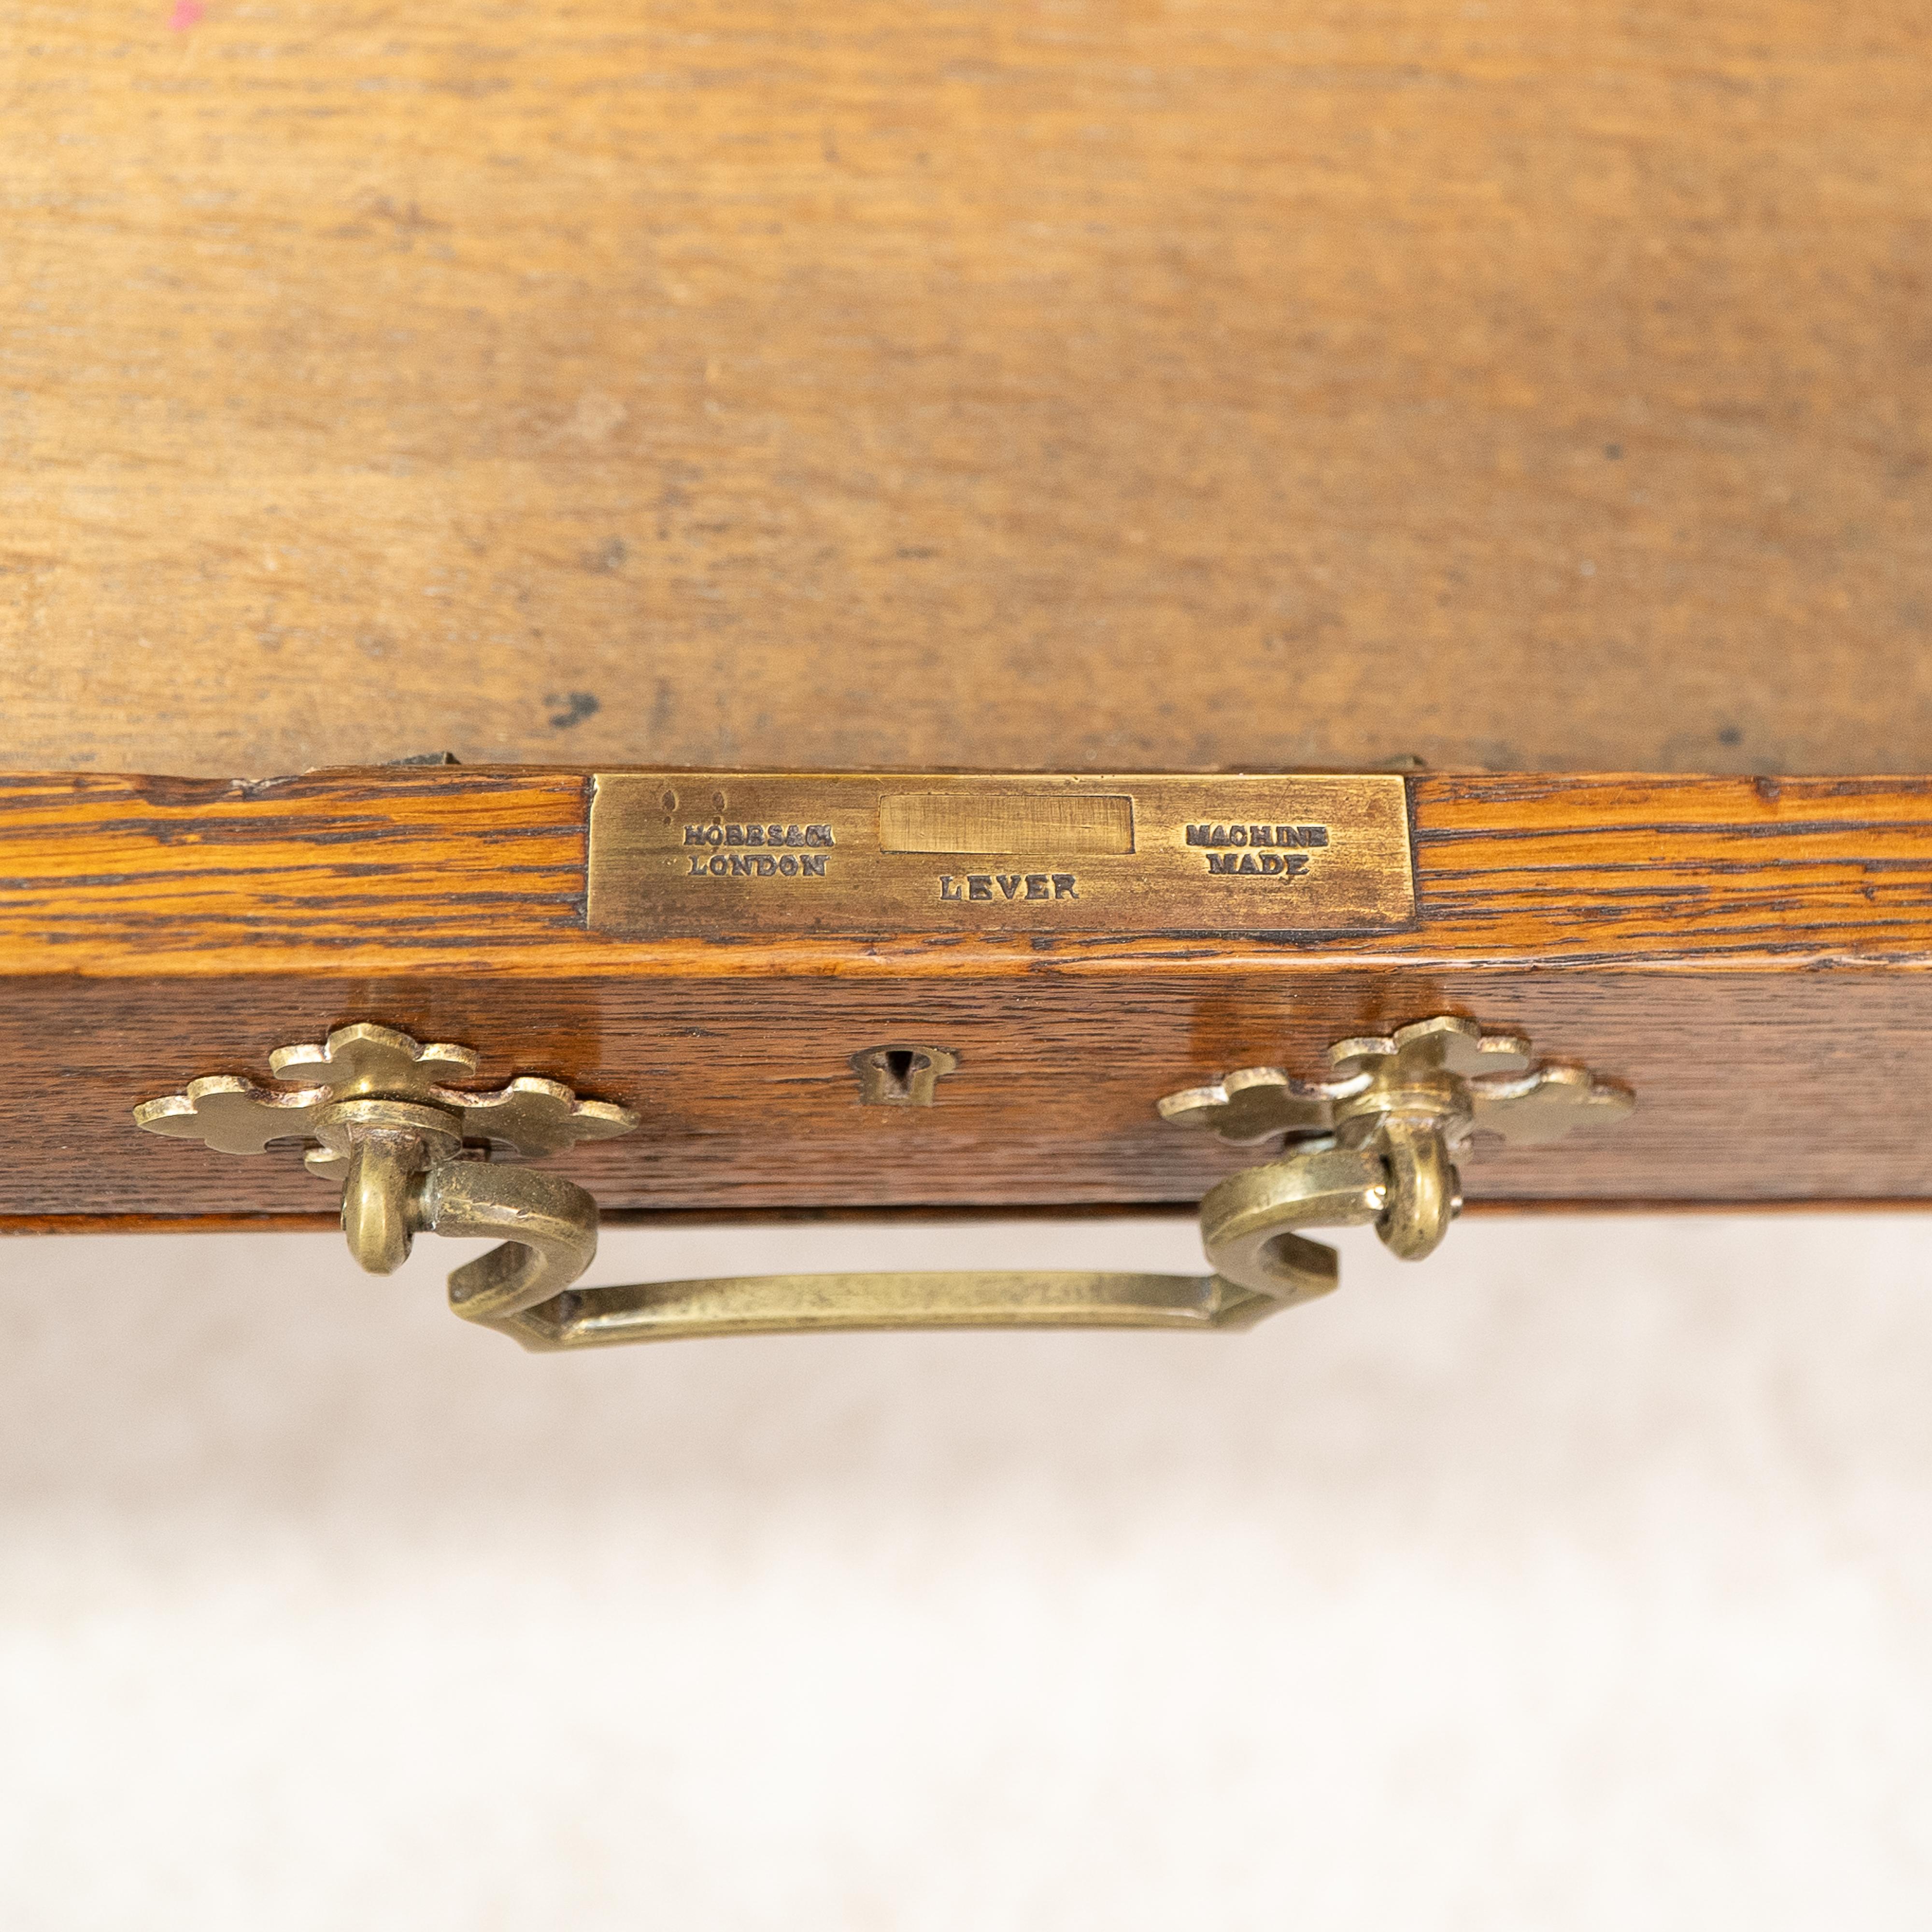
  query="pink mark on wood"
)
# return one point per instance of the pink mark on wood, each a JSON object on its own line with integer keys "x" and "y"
{"x": 187, "y": 13}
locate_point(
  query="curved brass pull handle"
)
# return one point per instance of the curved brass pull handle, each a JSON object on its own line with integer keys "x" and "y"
{"x": 1247, "y": 1223}
{"x": 548, "y": 1227}
{"x": 1377, "y": 1143}
{"x": 769, "y": 1304}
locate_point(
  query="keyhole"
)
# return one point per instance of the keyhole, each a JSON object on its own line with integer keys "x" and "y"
{"x": 899, "y": 1062}
{"x": 900, "y": 1076}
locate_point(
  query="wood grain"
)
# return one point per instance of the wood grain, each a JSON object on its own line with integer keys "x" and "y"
{"x": 1541, "y": 386}
{"x": 442, "y": 871}
{"x": 1750, "y": 957}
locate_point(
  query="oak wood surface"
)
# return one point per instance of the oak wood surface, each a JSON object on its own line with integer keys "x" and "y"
{"x": 451, "y": 870}
{"x": 1536, "y": 385}
{"x": 1751, "y": 957}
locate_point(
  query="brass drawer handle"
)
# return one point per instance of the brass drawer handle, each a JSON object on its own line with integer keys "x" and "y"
{"x": 1375, "y": 1141}
{"x": 768, "y": 1304}
{"x": 374, "y": 1103}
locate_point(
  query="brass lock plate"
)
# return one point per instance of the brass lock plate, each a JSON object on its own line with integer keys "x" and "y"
{"x": 704, "y": 855}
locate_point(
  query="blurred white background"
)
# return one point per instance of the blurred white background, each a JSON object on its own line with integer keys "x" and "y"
{"x": 1580, "y": 1578}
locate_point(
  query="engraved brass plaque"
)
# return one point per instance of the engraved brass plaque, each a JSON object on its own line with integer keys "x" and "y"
{"x": 700, "y": 855}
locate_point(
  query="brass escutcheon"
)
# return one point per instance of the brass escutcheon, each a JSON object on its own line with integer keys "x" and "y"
{"x": 900, "y": 1074}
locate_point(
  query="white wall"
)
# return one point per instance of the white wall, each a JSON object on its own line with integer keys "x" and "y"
{"x": 1581, "y": 1577}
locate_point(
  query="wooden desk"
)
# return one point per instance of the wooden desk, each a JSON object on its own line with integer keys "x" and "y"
{"x": 1452, "y": 392}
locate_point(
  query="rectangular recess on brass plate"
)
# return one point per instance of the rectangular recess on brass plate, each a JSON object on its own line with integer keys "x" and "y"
{"x": 1018, "y": 824}
{"x": 716, "y": 854}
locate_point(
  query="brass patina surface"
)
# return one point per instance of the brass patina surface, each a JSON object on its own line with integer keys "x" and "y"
{"x": 410, "y": 1151}
{"x": 726, "y": 855}
{"x": 1374, "y": 1141}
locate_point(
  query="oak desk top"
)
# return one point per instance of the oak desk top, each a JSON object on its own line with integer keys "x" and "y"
{"x": 1535, "y": 386}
